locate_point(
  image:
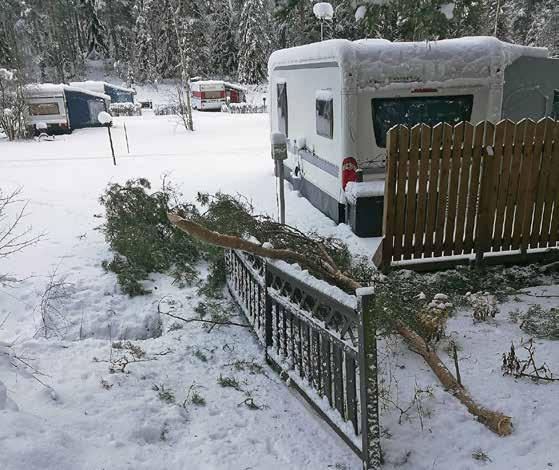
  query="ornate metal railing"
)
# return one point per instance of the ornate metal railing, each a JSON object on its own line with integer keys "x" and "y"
{"x": 322, "y": 346}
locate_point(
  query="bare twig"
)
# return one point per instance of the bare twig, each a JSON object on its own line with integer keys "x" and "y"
{"x": 51, "y": 307}
{"x": 201, "y": 320}
{"x": 455, "y": 357}
{"x": 518, "y": 368}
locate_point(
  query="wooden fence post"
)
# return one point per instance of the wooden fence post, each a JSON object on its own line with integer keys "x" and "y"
{"x": 485, "y": 217}
{"x": 370, "y": 426}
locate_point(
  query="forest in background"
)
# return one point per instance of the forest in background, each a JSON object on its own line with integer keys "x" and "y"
{"x": 141, "y": 40}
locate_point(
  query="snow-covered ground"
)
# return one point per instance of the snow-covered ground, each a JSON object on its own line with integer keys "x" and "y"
{"x": 88, "y": 418}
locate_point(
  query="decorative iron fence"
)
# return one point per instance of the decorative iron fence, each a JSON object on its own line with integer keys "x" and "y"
{"x": 322, "y": 345}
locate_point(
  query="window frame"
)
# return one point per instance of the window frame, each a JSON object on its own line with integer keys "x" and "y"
{"x": 33, "y": 106}
{"x": 380, "y": 137}
{"x": 329, "y": 103}
{"x": 282, "y": 108}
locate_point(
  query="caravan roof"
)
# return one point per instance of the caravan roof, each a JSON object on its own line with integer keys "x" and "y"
{"x": 217, "y": 82}
{"x": 99, "y": 86}
{"x": 37, "y": 90}
{"x": 378, "y": 62}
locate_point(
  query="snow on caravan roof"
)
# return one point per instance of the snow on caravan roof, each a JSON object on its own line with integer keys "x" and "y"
{"x": 218, "y": 82}
{"x": 378, "y": 62}
{"x": 99, "y": 87}
{"x": 53, "y": 89}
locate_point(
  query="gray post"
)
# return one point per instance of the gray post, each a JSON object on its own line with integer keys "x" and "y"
{"x": 279, "y": 167}
{"x": 370, "y": 425}
{"x": 126, "y": 135}
{"x": 111, "y": 141}
{"x": 279, "y": 154}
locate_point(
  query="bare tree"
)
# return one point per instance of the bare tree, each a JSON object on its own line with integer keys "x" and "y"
{"x": 180, "y": 25}
{"x": 12, "y": 237}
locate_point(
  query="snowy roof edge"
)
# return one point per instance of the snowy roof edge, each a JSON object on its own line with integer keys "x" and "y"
{"x": 40, "y": 89}
{"x": 346, "y": 52}
{"x": 215, "y": 82}
{"x": 92, "y": 84}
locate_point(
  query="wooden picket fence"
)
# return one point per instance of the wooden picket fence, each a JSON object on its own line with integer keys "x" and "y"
{"x": 464, "y": 190}
{"x": 322, "y": 347}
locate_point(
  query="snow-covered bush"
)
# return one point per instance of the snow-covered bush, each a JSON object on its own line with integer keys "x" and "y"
{"x": 434, "y": 315}
{"x": 538, "y": 321}
{"x": 484, "y": 305}
{"x": 126, "y": 109}
{"x": 12, "y": 105}
{"x": 244, "y": 108}
{"x": 166, "y": 109}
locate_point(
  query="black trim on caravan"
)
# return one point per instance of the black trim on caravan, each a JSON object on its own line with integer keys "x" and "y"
{"x": 317, "y": 197}
{"x": 315, "y": 160}
{"x": 315, "y": 65}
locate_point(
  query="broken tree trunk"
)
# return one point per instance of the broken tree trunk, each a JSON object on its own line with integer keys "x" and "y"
{"x": 494, "y": 420}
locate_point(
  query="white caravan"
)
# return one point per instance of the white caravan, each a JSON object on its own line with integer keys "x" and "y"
{"x": 336, "y": 100}
{"x": 212, "y": 94}
{"x": 60, "y": 108}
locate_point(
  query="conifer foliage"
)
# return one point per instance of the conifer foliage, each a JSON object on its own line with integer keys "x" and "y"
{"x": 95, "y": 31}
{"x": 52, "y": 40}
{"x": 255, "y": 41}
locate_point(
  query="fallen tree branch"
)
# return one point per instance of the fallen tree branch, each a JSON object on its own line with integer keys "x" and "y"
{"x": 495, "y": 421}
{"x": 235, "y": 243}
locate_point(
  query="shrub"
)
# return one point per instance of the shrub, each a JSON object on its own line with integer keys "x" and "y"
{"x": 538, "y": 321}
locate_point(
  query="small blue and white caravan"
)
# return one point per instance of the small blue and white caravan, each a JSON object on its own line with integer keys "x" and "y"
{"x": 117, "y": 93}
{"x": 62, "y": 108}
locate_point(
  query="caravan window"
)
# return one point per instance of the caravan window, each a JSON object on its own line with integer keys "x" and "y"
{"x": 325, "y": 114}
{"x": 282, "y": 108}
{"x": 44, "y": 109}
{"x": 431, "y": 110}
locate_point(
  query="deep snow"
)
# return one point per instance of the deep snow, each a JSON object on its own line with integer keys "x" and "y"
{"x": 92, "y": 419}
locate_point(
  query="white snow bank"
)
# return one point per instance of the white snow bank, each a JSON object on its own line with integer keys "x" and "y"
{"x": 355, "y": 190}
{"x": 31, "y": 443}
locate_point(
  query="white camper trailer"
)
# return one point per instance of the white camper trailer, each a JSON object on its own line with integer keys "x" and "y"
{"x": 60, "y": 108}
{"x": 336, "y": 100}
{"x": 213, "y": 94}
